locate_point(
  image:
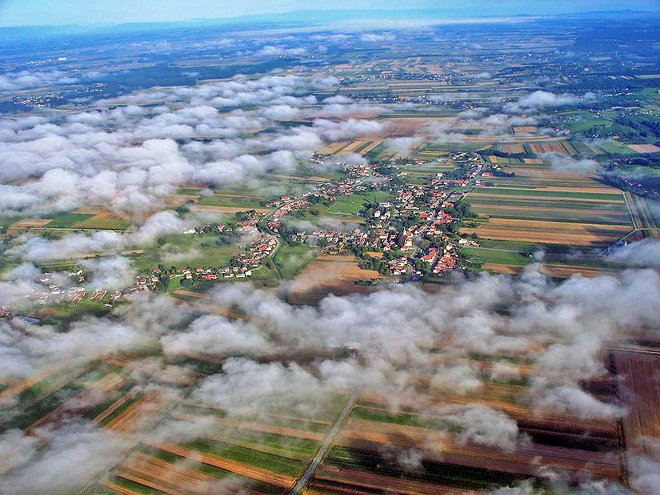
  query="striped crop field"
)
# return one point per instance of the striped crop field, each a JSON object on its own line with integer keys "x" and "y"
{"x": 539, "y": 205}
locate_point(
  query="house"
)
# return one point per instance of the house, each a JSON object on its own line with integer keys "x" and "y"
{"x": 431, "y": 256}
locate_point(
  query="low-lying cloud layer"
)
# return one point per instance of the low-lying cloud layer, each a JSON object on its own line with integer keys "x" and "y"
{"x": 400, "y": 334}
{"x": 396, "y": 331}
{"x": 543, "y": 99}
{"x": 130, "y": 157}
{"x": 73, "y": 454}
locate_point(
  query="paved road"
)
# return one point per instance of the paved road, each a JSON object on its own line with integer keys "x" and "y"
{"x": 618, "y": 241}
{"x": 325, "y": 447}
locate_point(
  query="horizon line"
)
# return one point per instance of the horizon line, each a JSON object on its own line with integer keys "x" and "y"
{"x": 457, "y": 14}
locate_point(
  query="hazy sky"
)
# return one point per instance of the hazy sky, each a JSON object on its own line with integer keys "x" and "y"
{"x": 51, "y": 12}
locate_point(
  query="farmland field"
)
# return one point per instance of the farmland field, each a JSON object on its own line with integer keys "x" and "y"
{"x": 538, "y": 205}
{"x": 103, "y": 221}
{"x": 198, "y": 250}
{"x": 641, "y": 213}
{"x": 360, "y": 460}
{"x": 289, "y": 260}
{"x": 329, "y": 275}
{"x": 67, "y": 220}
{"x": 549, "y": 232}
{"x": 638, "y": 369}
{"x": 349, "y": 206}
{"x": 231, "y": 201}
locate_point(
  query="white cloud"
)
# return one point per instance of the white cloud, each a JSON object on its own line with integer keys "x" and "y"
{"x": 644, "y": 253}
{"x": 543, "y": 99}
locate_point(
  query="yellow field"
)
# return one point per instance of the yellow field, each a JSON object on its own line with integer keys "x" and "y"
{"x": 547, "y": 148}
{"x": 333, "y": 148}
{"x": 525, "y": 129}
{"x": 103, "y": 220}
{"x": 329, "y": 274}
{"x": 371, "y": 146}
{"x": 30, "y": 223}
{"x": 571, "y": 234}
{"x": 551, "y": 270}
{"x": 474, "y": 197}
{"x": 177, "y": 200}
{"x": 351, "y": 147}
{"x": 513, "y": 148}
{"x": 644, "y": 148}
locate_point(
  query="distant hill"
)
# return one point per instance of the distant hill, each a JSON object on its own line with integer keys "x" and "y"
{"x": 299, "y": 18}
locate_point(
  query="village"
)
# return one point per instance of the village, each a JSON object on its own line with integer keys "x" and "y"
{"x": 412, "y": 236}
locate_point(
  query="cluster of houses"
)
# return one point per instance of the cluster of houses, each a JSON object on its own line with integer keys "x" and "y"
{"x": 380, "y": 237}
{"x": 57, "y": 289}
{"x": 284, "y": 205}
{"x": 241, "y": 271}
{"x": 145, "y": 282}
{"x": 215, "y": 228}
{"x": 442, "y": 260}
{"x": 241, "y": 265}
{"x": 399, "y": 266}
{"x": 250, "y": 221}
{"x": 419, "y": 246}
{"x": 61, "y": 288}
{"x": 256, "y": 253}
{"x": 382, "y": 232}
{"x": 339, "y": 241}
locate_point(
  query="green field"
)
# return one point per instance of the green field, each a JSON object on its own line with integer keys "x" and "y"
{"x": 99, "y": 490}
{"x": 289, "y": 260}
{"x": 550, "y": 194}
{"x": 203, "y": 252}
{"x": 589, "y": 124}
{"x": 67, "y": 311}
{"x": 247, "y": 202}
{"x": 189, "y": 191}
{"x": 349, "y": 206}
{"x": 380, "y": 152}
{"x": 101, "y": 223}
{"x": 498, "y": 256}
{"x": 385, "y": 416}
{"x": 419, "y": 177}
{"x": 263, "y": 460}
{"x": 281, "y": 445}
{"x": 135, "y": 487}
{"x": 453, "y": 147}
{"x": 615, "y": 148}
{"x": 566, "y": 213}
{"x": 67, "y": 220}
{"x": 121, "y": 408}
{"x": 518, "y": 246}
